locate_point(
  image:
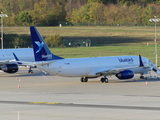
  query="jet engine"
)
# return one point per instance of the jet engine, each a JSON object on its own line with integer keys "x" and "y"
{"x": 126, "y": 74}
{"x": 10, "y": 68}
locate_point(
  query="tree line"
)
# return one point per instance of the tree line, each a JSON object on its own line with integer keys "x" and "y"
{"x": 79, "y": 12}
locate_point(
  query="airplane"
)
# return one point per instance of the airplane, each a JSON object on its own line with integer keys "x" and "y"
{"x": 7, "y": 63}
{"x": 123, "y": 67}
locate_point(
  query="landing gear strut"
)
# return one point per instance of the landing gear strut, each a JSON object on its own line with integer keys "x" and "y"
{"x": 141, "y": 77}
{"x": 30, "y": 71}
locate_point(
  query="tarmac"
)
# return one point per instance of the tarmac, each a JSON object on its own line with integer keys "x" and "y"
{"x": 42, "y": 96}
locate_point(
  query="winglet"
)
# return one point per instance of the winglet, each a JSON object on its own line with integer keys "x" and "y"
{"x": 16, "y": 58}
{"x": 140, "y": 61}
{"x": 40, "y": 48}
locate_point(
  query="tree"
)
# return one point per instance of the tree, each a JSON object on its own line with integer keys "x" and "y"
{"x": 147, "y": 14}
{"x": 48, "y": 13}
{"x": 111, "y": 14}
{"x": 39, "y": 14}
{"x": 54, "y": 41}
{"x": 17, "y": 42}
{"x": 97, "y": 1}
{"x": 24, "y": 17}
{"x": 89, "y": 14}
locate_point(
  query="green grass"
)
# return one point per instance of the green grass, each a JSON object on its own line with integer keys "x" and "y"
{"x": 99, "y": 35}
{"x": 147, "y": 31}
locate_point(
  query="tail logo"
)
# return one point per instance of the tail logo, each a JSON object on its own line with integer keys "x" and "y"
{"x": 40, "y": 45}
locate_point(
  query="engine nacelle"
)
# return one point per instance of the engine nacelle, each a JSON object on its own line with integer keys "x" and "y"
{"x": 126, "y": 74}
{"x": 10, "y": 68}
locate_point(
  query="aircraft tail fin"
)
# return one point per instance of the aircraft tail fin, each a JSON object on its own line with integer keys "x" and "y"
{"x": 40, "y": 48}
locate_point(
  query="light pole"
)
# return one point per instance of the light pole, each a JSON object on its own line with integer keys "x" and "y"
{"x": 2, "y": 15}
{"x": 155, "y": 20}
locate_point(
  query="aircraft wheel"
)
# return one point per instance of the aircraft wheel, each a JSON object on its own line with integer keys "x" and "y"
{"x": 142, "y": 77}
{"x": 106, "y": 80}
{"x": 102, "y": 80}
{"x": 30, "y": 71}
{"x": 82, "y": 79}
{"x": 85, "y": 79}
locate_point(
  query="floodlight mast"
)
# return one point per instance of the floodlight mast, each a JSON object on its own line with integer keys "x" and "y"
{"x": 2, "y": 15}
{"x": 155, "y": 20}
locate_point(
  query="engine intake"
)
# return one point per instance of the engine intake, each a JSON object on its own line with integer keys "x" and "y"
{"x": 126, "y": 74}
{"x": 10, "y": 68}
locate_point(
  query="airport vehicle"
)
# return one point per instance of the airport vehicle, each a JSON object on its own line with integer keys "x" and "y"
{"x": 7, "y": 63}
{"x": 123, "y": 67}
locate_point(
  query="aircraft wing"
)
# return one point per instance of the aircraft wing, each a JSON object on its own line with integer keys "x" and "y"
{"x": 110, "y": 71}
{"x": 6, "y": 62}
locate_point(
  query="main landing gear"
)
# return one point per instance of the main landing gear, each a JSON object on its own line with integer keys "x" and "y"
{"x": 30, "y": 71}
{"x": 84, "y": 79}
{"x": 103, "y": 79}
{"x": 142, "y": 77}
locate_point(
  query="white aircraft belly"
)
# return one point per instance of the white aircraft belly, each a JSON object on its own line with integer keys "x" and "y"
{"x": 68, "y": 71}
{"x": 74, "y": 71}
{"x": 79, "y": 72}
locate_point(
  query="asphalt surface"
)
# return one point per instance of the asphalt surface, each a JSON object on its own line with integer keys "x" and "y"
{"x": 41, "y": 96}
